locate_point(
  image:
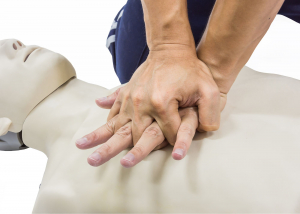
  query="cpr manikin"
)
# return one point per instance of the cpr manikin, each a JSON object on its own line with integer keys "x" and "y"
{"x": 251, "y": 164}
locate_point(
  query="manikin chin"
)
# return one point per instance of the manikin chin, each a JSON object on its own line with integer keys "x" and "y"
{"x": 251, "y": 164}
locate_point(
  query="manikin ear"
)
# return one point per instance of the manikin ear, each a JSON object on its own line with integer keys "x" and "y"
{"x": 4, "y": 125}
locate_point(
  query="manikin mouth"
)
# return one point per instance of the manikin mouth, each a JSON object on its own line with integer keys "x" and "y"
{"x": 29, "y": 54}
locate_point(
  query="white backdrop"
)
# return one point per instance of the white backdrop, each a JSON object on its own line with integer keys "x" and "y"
{"x": 78, "y": 30}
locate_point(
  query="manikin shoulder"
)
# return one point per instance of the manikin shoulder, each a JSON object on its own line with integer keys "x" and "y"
{"x": 251, "y": 164}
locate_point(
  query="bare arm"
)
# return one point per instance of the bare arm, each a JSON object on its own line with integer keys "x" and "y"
{"x": 234, "y": 30}
{"x": 167, "y": 24}
{"x": 171, "y": 78}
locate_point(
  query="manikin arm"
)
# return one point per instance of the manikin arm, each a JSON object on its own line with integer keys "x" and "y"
{"x": 234, "y": 30}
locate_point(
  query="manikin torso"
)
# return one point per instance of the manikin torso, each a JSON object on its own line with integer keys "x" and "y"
{"x": 251, "y": 164}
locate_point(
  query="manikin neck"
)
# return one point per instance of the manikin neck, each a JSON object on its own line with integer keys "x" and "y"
{"x": 57, "y": 119}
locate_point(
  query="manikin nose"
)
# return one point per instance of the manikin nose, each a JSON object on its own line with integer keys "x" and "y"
{"x": 17, "y": 45}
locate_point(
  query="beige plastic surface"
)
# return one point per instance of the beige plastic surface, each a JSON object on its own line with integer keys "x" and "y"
{"x": 251, "y": 164}
{"x": 24, "y": 84}
{"x": 5, "y": 123}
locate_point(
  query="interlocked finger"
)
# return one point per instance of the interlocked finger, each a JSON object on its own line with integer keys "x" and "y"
{"x": 115, "y": 109}
{"x": 151, "y": 138}
{"x": 121, "y": 140}
{"x": 107, "y": 102}
{"x": 99, "y": 136}
{"x": 186, "y": 132}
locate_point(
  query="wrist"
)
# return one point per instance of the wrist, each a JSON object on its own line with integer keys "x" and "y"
{"x": 234, "y": 30}
{"x": 167, "y": 22}
{"x": 167, "y": 37}
{"x": 215, "y": 50}
{"x": 224, "y": 62}
{"x": 163, "y": 51}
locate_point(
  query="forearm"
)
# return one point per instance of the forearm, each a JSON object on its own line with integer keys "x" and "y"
{"x": 234, "y": 30}
{"x": 167, "y": 25}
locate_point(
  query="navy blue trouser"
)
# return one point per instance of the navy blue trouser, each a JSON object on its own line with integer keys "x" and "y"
{"x": 127, "y": 38}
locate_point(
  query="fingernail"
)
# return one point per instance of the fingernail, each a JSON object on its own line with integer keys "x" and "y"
{"x": 96, "y": 157}
{"x": 179, "y": 152}
{"x": 129, "y": 157}
{"x": 82, "y": 141}
{"x": 101, "y": 99}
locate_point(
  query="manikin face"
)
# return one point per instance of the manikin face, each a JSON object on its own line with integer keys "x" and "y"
{"x": 28, "y": 74}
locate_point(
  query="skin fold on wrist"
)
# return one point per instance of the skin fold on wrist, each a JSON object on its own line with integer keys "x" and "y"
{"x": 172, "y": 51}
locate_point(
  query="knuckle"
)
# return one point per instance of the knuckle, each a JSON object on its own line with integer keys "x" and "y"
{"x": 139, "y": 150}
{"x": 92, "y": 137}
{"x": 137, "y": 98}
{"x": 106, "y": 148}
{"x": 210, "y": 91}
{"x": 125, "y": 97}
{"x": 119, "y": 94}
{"x": 116, "y": 93}
{"x": 110, "y": 126}
{"x": 157, "y": 102}
{"x": 214, "y": 93}
{"x": 158, "y": 106}
{"x": 153, "y": 131}
{"x": 124, "y": 131}
{"x": 118, "y": 102}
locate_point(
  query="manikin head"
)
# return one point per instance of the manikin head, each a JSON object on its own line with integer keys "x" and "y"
{"x": 28, "y": 74}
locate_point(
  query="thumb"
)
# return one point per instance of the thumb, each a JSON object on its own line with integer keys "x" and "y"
{"x": 107, "y": 102}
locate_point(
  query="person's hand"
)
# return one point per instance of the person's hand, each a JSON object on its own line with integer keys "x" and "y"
{"x": 166, "y": 81}
{"x": 114, "y": 141}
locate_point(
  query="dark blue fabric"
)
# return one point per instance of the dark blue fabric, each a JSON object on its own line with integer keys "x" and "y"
{"x": 112, "y": 46}
{"x": 130, "y": 49}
